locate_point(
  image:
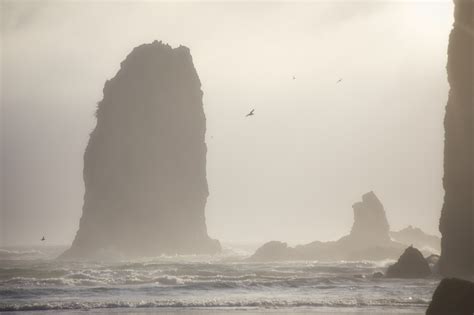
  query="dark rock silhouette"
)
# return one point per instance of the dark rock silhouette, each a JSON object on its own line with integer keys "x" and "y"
{"x": 369, "y": 239}
{"x": 452, "y": 297}
{"x": 457, "y": 217}
{"x": 145, "y": 164}
{"x": 411, "y": 264}
{"x": 416, "y": 237}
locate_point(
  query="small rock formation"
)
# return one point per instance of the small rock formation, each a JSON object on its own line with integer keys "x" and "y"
{"x": 378, "y": 275}
{"x": 370, "y": 222}
{"x": 452, "y": 297}
{"x": 145, "y": 164}
{"x": 273, "y": 251}
{"x": 411, "y": 264}
{"x": 457, "y": 217}
{"x": 369, "y": 239}
{"x": 416, "y": 237}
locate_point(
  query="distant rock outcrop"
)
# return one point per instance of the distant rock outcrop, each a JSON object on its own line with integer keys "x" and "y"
{"x": 145, "y": 164}
{"x": 369, "y": 239}
{"x": 411, "y": 264}
{"x": 416, "y": 237}
{"x": 452, "y": 297}
{"x": 273, "y": 251}
{"x": 457, "y": 217}
{"x": 370, "y": 222}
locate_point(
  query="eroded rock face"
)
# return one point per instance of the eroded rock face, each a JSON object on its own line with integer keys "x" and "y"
{"x": 411, "y": 264}
{"x": 457, "y": 218}
{"x": 145, "y": 164}
{"x": 452, "y": 297}
{"x": 370, "y": 222}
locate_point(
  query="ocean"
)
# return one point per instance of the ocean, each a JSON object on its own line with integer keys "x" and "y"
{"x": 32, "y": 280}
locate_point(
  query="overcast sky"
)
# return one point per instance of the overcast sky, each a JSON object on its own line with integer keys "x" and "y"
{"x": 291, "y": 172}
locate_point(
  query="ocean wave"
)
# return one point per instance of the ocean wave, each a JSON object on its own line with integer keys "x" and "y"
{"x": 187, "y": 277}
{"x": 56, "y": 285}
{"x": 6, "y": 254}
{"x": 214, "y": 303}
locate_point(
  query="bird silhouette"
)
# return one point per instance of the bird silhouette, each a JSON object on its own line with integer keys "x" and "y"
{"x": 340, "y": 80}
{"x": 43, "y": 239}
{"x": 251, "y": 113}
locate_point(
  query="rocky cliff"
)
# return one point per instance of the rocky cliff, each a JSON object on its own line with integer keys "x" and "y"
{"x": 457, "y": 218}
{"x": 145, "y": 163}
{"x": 452, "y": 297}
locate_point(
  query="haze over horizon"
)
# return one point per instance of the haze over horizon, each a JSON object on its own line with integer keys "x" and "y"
{"x": 289, "y": 173}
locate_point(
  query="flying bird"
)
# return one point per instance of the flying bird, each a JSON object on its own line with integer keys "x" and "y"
{"x": 251, "y": 113}
{"x": 340, "y": 80}
{"x": 294, "y": 78}
{"x": 43, "y": 239}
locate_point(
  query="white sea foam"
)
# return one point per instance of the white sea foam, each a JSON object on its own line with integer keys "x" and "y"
{"x": 200, "y": 282}
{"x": 212, "y": 303}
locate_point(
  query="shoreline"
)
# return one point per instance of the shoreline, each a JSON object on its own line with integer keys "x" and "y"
{"x": 232, "y": 311}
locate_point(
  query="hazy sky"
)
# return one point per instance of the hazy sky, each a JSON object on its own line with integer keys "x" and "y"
{"x": 291, "y": 172}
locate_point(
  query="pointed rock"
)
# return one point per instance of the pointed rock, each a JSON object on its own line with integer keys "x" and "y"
{"x": 411, "y": 264}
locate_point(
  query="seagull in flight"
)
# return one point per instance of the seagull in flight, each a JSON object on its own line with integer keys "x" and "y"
{"x": 251, "y": 113}
{"x": 43, "y": 239}
{"x": 340, "y": 80}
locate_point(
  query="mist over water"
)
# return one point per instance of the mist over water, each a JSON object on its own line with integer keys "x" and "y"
{"x": 293, "y": 171}
{"x": 220, "y": 153}
{"x": 203, "y": 283}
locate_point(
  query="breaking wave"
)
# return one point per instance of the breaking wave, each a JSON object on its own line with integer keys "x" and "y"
{"x": 199, "y": 282}
{"x": 214, "y": 303}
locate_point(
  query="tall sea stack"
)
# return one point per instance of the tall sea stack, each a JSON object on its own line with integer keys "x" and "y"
{"x": 457, "y": 217}
{"x": 145, "y": 164}
{"x": 370, "y": 226}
